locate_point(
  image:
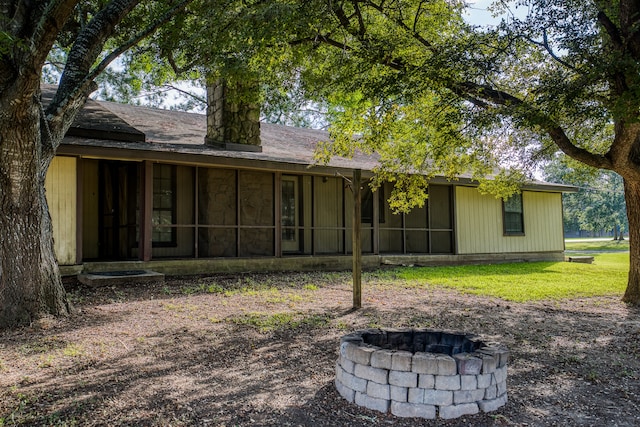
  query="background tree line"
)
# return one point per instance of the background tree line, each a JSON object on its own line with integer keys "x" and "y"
{"x": 598, "y": 207}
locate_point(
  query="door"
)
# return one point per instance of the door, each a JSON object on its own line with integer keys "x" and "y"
{"x": 290, "y": 215}
{"x": 117, "y": 207}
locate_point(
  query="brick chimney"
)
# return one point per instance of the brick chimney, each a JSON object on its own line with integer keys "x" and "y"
{"x": 233, "y": 116}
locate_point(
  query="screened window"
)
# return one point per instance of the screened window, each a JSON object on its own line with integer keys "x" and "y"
{"x": 367, "y": 203}
{"x": 513, "y": 218}
{"x": 164, "y": 205}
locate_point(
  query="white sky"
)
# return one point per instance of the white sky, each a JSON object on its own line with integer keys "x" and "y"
{"x": 478, "y": 14}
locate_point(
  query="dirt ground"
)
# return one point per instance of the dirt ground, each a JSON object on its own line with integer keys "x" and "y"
{"x": 261, "y": 349}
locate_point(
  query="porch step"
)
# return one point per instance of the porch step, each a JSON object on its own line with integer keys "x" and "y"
{"x": 582, "y": 259}
{"x": 113, "y": 278}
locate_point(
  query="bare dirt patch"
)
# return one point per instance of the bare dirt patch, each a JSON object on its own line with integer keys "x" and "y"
{"x": 261, "y": 349}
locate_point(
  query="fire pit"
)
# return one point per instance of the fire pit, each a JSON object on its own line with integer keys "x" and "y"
{"x": 422, "y": 372}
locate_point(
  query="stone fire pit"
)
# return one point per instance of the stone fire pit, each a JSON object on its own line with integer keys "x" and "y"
{"x": 422, "y": 372}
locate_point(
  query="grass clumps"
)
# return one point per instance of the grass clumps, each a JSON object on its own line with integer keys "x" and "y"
{"x": 269, "y": 322}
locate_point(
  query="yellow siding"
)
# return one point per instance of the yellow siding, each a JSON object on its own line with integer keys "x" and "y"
{"x": 60, "y": 185}
{"x": 479, "y": 223}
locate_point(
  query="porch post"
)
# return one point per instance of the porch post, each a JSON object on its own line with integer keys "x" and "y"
{"x": 356, "y": 242}
{"x": 146, "y": 212}
{"x": 376, "y": 219}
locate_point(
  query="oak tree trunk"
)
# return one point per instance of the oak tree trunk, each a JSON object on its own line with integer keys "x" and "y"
{"x": 30, "y": 282}
{"x": 632, "y": 197}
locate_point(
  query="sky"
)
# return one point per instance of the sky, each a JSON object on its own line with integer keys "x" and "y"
{"x": 478, "y": 14}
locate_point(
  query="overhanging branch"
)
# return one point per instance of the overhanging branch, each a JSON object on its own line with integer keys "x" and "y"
{"x": 77, "y": 85}
{"x": 137, "y": 39}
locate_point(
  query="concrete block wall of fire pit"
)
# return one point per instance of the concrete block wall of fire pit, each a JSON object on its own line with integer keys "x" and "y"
{"x": 422, "y": 373}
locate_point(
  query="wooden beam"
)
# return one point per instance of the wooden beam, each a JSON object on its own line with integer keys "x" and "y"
{"x": 357, "y": 243}
{"x": 277, "y": 196}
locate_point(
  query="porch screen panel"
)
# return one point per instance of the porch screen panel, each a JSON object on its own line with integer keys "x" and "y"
{"x": 391, "y": 230}
{"x": 307, "y": 214}
{"x": 441, "y": 242}
{"x": 176, "y": 200}
{"x": 217, "y": 213}
{"x": 366, "y": 219}
{"x": 329, "y": 215}
{"x": 416, "y": 235}
{"x": 257, "y": 224}
{"x": 440, "y": 207}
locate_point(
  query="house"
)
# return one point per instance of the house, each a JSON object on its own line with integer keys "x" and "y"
{"x": 134, "y": 187}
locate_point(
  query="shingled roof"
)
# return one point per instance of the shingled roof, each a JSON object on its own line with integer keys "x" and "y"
{"x": 129, "y": 132}
{"x": 95, "y": 121}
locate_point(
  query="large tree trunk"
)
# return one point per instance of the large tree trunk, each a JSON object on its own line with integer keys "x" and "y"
{"x": 632, "y": 197}
{"x": 30, "y": 283}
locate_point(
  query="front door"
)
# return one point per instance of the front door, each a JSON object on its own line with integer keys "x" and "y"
{"x": 117, "y": 207}
{"x": 290, "y": 215}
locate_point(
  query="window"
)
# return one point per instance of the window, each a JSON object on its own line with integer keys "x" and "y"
{"x": 164, "y": 205}
{"x": 512, "y": 217}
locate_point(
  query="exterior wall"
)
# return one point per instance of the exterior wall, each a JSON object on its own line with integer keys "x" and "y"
{"x": 257, "y": 211}
{"x": 479, "y": 223}
{"x": 239, "y": 206}
{"x": 61, "y": 185}
{"x": 217, "y": 209}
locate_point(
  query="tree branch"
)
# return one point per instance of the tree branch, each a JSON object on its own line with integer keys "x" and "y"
{"x": 89, "y": 44}
{"x": 186, "y": 93}
{"x": 629, "y": 13}
{"x": 49, "y": 18}
{"x": 611, "y": 29}
{"x": 362, "y": 29}
{"x": 545, "y": 44}
{"x": 175, "y": 67}
{"x": 486, "y": 97}
{"x": 137, "y": 39}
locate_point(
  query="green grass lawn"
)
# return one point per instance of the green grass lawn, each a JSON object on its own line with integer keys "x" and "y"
{"x": 529, "y": 281}
{"x": 600, "y": 245}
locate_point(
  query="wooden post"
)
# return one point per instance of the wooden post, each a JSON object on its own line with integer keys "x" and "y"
{"x": 355, "y": 233}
